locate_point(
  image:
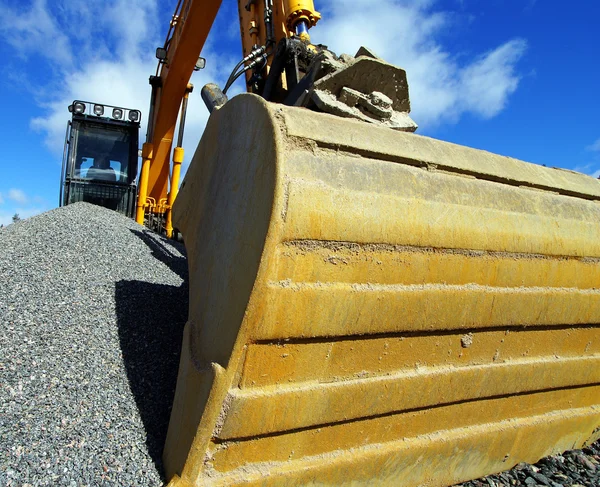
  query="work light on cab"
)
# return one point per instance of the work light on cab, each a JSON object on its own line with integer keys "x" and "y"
{"x": 79, "y": 108}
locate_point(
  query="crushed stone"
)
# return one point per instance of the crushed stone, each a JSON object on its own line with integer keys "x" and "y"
{"x": 92, "y": 309}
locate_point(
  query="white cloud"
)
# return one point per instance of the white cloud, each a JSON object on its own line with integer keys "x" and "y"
{"x": 595, "y": 147}
{"x": 124, "y": 82}
{"x": 593, "y": 168}
{"x": 17, "y": 195}
{"x": 104, "y": 51}
{"x": 404, "y": 33}
{"x": 34, "y": 31}
{"x": 489, "y": 80}
{"x": 112, "y": 45}
{"x": 121, "y": 82}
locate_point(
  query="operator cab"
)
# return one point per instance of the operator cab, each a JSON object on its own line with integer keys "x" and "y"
{"x": 100, "y": 161}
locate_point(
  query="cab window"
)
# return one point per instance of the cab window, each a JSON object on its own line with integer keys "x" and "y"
{"x": 102, "y": 153}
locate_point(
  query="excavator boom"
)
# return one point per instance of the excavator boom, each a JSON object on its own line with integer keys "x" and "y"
{"x": 190, "y": 26}
{"x": 262, "y": 25}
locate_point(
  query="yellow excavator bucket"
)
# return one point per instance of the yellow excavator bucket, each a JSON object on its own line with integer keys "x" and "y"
{"x": 372, "y": 307}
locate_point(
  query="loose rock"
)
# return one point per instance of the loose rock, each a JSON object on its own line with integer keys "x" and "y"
{"x": 92, "y": 308}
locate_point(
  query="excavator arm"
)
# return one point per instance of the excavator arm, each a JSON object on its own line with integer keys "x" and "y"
{"x": 187, "y": 34}
{"x": 190, "y": 31}
{"x": 262, "y": 26}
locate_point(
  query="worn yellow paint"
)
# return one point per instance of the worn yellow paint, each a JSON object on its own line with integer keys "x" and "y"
{"x": 381, "y": 146}
{"x": 328, "y": 361}
{"x": 230, "y": 455}
{"x": 253, "y": 412}
{"x": 396, "y": 309}
{"x": 311, "y": 261}
{"x": 370, "y": 307}
{"x": 431, "y": 460}
{"x": 331, "y": 214}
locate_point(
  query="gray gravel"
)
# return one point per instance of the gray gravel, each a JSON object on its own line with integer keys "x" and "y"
{"x": 92, "y": 308}
{"x": 577, "y": 468}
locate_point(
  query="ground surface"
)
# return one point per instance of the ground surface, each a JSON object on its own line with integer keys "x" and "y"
{"x": 92, "y": 308}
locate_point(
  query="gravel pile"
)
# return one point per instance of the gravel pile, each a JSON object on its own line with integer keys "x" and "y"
{"x": 92, "y": 309}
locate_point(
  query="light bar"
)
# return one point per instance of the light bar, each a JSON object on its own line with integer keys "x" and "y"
{"x": 88, "y": 109}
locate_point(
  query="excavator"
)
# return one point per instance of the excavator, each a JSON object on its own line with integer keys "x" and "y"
{"x": 367, "y": 306}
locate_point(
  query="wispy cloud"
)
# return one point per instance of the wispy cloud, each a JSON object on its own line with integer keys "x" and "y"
{"x": 17, "y": 195}
{"x": 529, "y": 5}
{"x": 593, "y": 168}
{"x": 33, "y": 30}
{"x": 595, "y": 147}
{"x": 67, "y": 32}
{"x": 491, "y": 79}
{"x": 405, "y": 33}
{"x": 107, "y": 57}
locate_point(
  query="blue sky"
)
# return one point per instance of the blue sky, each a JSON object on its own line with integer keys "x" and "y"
{"x": 515, "y": 77}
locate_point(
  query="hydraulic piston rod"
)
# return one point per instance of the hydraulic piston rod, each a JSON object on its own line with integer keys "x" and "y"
{"x": 300, "y": 16}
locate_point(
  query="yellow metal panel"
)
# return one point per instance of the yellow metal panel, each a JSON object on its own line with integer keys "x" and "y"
{"x": 359, "y": 139}
{"x": 339, "y": 309}
{"x": 432, "y": 460}
{"x": 369, "y": 307}
{"x": 254, "y": 412}
{"x": 320, "y": 212}
{"x": 355, "y": 434}
{"x": 282, "y": 363}
{"x": 312, "y": 261}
